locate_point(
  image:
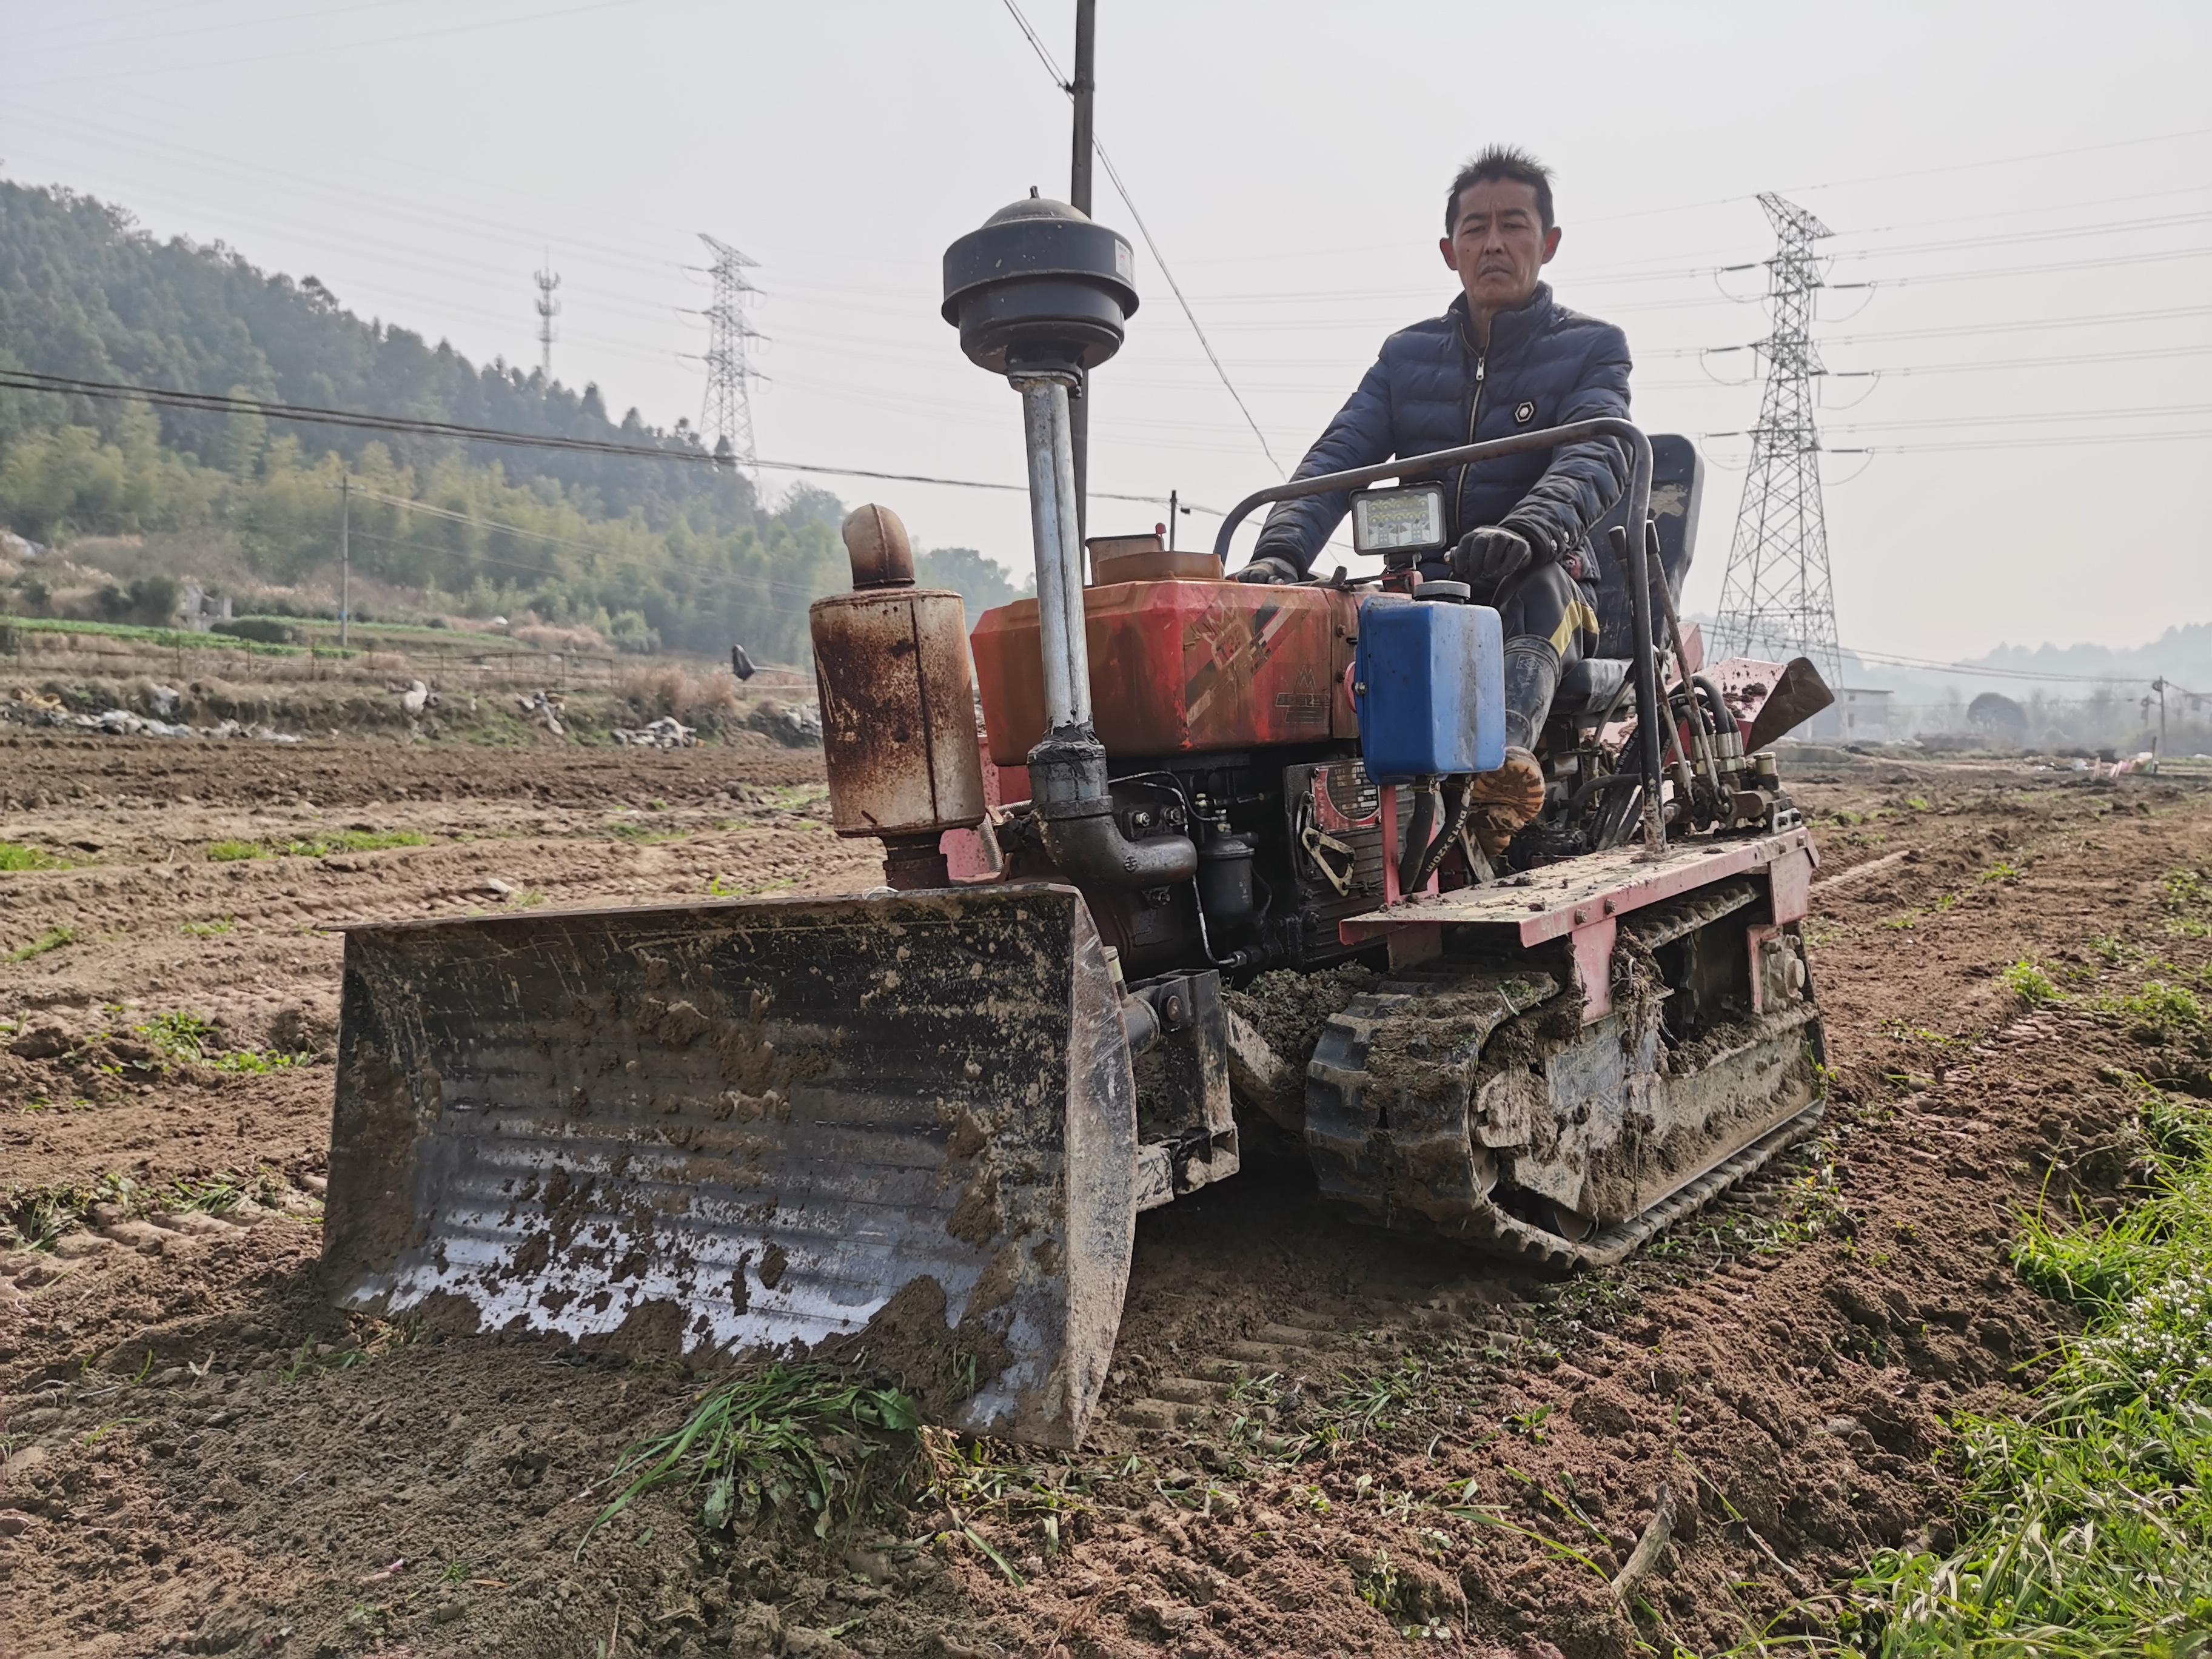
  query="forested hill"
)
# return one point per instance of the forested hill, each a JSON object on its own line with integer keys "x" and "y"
{"x": 83, "y": 294}
{"x": 649, "y": 552}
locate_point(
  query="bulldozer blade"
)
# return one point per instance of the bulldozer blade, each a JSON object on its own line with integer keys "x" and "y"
{"x": 898, "y": 1131}
{"x": 1799, "y": 694}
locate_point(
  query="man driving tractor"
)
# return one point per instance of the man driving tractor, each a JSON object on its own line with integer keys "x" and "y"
{"x": 1505, "y": 357}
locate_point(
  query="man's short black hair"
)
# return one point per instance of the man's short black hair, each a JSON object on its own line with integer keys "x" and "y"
{"x": 1501, "y": 162}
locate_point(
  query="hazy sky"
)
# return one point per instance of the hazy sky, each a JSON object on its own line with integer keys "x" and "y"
{"x": 2028, "y": 186}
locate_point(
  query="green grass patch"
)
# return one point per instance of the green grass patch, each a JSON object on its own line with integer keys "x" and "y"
{"x": 318, "y": 847}
{"x": 2087, "y": 1525}
{"x": 169, "y": 639}
{"x": 193, "y": 1039}
{"x": 2158, "y": 1013}
{"x": 352, "y": 840}
{"x": 20, "y": 855}
{"x": 2031, "y": 984}
{"x": 2113, "y": 950}
{"x": 206, "y": 929}
{"x": 731, "y": 887}
{"x": 795, "y": 1439}
{"x": 2002, "y": 870}
{"x": 52, "y": 939}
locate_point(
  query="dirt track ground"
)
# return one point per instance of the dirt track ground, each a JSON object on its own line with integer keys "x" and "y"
{"x": 202, "y": 1457}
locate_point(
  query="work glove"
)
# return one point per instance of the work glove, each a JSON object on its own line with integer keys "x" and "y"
{"x": 1488, "y": 558}
{"x": 1269, "y": 568}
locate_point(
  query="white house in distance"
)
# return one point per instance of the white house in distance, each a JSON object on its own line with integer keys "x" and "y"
{"x": 1857, "y": 715}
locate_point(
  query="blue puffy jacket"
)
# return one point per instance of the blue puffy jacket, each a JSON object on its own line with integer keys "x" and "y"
{"x": 1432, "y": 389}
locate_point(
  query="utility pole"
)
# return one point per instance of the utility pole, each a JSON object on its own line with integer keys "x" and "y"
{"x": 2158, "y": 757}
{"x": 725, "y": 419}
{"x": 345, "y": 560}
{"x": 1777, "y": 596}
{"x": 548, "y": 309}
{"x": 1084, "y": 89}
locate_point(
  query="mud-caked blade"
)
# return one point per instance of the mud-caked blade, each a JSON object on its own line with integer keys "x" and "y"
{"x": 897, "y": 1129}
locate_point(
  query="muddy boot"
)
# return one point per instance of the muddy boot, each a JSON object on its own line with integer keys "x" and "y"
{"x": 1501, "y": 802}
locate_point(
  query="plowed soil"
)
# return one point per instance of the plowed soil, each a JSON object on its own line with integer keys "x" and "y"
{"x": 1318, "y": 1439}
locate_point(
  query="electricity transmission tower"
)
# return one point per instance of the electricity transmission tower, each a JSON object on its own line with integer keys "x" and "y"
{"x": 1776, "y": 597}
{"x": 548, "y": 309}
{"x": 725, "y": 420}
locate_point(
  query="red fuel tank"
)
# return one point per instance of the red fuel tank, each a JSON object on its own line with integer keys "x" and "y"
{"x": 1181, "y": 667}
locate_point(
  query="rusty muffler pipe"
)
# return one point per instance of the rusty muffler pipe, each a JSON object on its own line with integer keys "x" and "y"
{"x": 1067, "y": 769}
{"x": 898, "y": 705}
{"x": 1040, "y": 294}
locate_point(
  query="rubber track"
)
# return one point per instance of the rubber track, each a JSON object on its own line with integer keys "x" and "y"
{"x": 1360, "y": 1161}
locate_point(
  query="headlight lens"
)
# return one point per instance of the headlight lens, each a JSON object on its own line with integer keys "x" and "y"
{"x": 1408, "y": 518}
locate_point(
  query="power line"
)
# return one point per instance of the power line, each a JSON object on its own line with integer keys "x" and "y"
{"x": 64, "y": 385}
{"x": 2063, "y": 441}
{"x": 2032, "y": 325}
{"x": 172, "y": 70}
{"x": 2007, "y": 161}
{"x": 555, "y": 571}
{"x": 1772, "y": 640}
{"x": 1144, "y": 230}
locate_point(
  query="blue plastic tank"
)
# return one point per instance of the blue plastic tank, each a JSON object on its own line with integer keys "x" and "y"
{"x": 1431, "y": 688}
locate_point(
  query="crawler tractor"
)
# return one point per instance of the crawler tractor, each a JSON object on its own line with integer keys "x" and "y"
{"x": 918, "y": 1124}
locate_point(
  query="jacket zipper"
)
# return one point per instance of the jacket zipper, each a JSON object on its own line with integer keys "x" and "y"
{"x": 1473, "y": 414}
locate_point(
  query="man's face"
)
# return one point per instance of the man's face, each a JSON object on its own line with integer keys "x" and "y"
{"x": 1498, "y": 244}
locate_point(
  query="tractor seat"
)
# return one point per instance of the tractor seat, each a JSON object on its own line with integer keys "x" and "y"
{"x": 1678, "y": 478}
{"x": 1587, "y": 688}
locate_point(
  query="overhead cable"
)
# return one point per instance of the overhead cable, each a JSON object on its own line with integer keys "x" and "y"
{"x": 170, "y": 397}
{"x": 1144, "y": 230}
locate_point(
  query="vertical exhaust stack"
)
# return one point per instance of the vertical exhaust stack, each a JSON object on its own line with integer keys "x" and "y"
{"x": 1040, "y": 294}
{"x": 898, "y": 705}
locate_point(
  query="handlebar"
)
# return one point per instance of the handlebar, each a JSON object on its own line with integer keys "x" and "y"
{"x": 1637, "y": 570}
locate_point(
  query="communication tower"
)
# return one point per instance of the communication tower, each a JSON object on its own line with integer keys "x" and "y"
{"x": 548, "y": 309}
{"x": 1776, "y": 597}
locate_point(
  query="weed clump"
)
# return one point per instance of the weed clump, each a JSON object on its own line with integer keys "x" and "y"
{"x": 19, "y": 855}
{"x": 352, "y": 840}
{"x": 317, "y": 847}
{"x": 2031, "y": 984}
{"x": 2157, "y": 1014}
{"x": 795, "y": 1438}
{"x": 52, "y": 939}
{"x": 195, "y": 1040}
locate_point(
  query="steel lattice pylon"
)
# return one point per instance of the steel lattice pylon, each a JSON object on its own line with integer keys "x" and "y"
{"x": 1776, "y": 599}
{"x": 726, "y": 418}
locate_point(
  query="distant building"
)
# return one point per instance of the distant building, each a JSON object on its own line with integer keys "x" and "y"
{"x": 200, "y": 609}
{"x": 1857, "y": 715}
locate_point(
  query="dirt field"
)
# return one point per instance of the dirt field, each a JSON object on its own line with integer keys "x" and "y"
{"x": 1318, "y": 1439}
